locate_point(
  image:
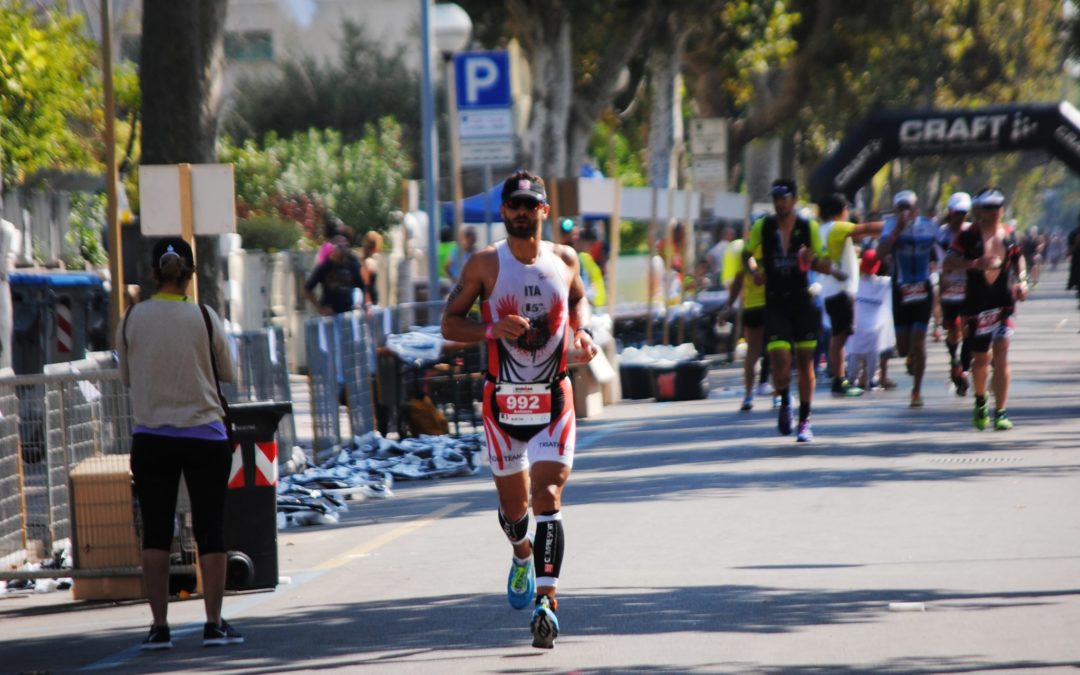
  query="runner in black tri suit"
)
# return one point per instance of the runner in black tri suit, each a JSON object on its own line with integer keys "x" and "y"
{"x": 534, "y": 310}
{"x": 996, "y": 280}
{"x": 780, "y": 252}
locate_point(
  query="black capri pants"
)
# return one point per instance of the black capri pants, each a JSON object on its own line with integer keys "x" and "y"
{"x": 156, "y": 464}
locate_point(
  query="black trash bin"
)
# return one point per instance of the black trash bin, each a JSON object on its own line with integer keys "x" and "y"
{"x": 251, "y": 502}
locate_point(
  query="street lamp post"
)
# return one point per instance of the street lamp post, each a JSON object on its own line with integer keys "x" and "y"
{"x": 452, "y": 29}
{"x": 430, "y": 142}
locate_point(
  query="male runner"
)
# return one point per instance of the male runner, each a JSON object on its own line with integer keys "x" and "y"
{"x": 532, "y": 307}
{"x": 996, "y": 279}
{"x": 951, "y": 291}
{"x": 780, "y": 252}
{"x": 839, "y": 288}
{"x": 910, "y": 239}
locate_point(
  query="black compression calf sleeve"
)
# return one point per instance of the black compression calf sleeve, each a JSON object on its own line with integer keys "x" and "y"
{"x": 548, "y": 548}
{"x": 965, "y": 355}
{"x": 516, "y": 532}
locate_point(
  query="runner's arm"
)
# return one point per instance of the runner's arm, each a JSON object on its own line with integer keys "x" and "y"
{"x": 579, "y": 312}
{"x": 456, "y": 325}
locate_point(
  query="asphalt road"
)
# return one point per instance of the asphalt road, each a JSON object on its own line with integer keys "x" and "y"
{"x": 698, "y": 540}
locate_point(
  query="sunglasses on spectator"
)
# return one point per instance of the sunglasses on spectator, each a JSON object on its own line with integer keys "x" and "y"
{"x": 519, "y": 202}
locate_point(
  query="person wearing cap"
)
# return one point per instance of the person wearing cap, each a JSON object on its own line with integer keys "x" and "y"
{"x": 533, "y": 312}
{"x": 838, "y": 289}
{"x": 780, "y": 252}
{"x": 996, "y": 280}
{"x": 338, "y": 275}
{"x": 951, "y": 289}
{"x": 909, "y": 238}
{"x": 171, "y": 354}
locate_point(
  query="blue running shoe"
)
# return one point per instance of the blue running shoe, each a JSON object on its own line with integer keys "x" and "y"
{"x": 521, "y": 585}
{"x": 544, "y": 624}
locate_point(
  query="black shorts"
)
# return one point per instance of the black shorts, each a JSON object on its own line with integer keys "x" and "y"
{"x": 981, "y": 335}
{"x": 791, "y": 320}
{"x": 912, "y": 316}
{"x": 841, "y": 309}
{"x": 951, "y": 313}
{"x": 156, "y": 465}
{"x": 753, "y": 317}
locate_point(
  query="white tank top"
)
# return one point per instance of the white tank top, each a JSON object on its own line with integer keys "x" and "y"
{"x": 540, "y": 293}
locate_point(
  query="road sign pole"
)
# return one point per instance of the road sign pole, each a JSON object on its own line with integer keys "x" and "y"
{"x": 430, "y": 150}
{"x": 187, "y": 221}
{"x": 487, "y": 200}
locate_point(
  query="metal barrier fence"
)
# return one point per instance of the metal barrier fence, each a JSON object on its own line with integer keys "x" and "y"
{"x": 65, "y": 480}
{"x": 341, "y": 367}
{"x": 263, "y": 375}
{"x": 53, "y": 422}
{"x": 12, "y": 507}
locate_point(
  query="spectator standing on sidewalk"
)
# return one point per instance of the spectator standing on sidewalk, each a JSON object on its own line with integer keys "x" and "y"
{"x": 169, "y": 349}
{"x": 338, "y": 275}
{"x": 840, "y": 287}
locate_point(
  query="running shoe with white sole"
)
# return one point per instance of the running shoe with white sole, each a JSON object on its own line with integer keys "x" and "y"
{"x": 159, "y": 638}
{"x": 982, "y": 416}
{"x": 806, "y": 433}
{"x": 545, "y": 624}
{"x": 521, "y": 584}
{"x": 763, "y": 389}
{"x": 747, "y": 404}
{"x": 221, "y": 634}
{"x": 783, "y": 419}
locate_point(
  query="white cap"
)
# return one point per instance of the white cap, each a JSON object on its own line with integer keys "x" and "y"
{"x": 904, "y": 197}
{"x": 960, "y": 201}
{"x": 992, "y": 197}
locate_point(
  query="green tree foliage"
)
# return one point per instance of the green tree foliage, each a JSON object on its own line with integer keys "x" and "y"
{"x": 49, "y": 92}
{"x": 365, "y": 84}
{"x": 269, "y": 233}
{"x": 315, "y": 174}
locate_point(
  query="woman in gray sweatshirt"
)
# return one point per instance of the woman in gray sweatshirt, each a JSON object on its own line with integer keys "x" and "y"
{"x": 168, "y": 348}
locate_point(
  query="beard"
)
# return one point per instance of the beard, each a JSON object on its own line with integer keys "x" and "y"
{"x": 520, "y": 228}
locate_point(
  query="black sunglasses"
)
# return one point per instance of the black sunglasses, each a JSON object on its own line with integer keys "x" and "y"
{"x": 518, "y": 202}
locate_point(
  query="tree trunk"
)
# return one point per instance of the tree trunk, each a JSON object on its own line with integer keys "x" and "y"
{"x": 182, "y": 59}
{"x": 665, "y": 118}
{"x": 563, "y": 115}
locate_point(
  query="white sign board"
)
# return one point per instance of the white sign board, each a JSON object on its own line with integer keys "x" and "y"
{"x": 159, "y": 200}
{"x": 481, "y": 151}
{"x": 498, "y": 122}
{"x": 637, "y": 204}
{"x": 708, "y": 136}
{"x": 214, "y": 192}
{"x": 730, "y": 205}
{"x": 213, "y": 197}
{"x": 596, "y": 195}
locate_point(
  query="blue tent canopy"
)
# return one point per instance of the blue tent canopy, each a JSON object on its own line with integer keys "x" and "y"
{"x": 474, "y": 210}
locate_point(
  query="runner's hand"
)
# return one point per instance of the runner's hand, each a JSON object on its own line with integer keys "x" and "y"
{"x": 758, "y": 275}
{"x": 584, "y": 344}
{"x": 510, "y": 327}
{"x": 839, "y": 274}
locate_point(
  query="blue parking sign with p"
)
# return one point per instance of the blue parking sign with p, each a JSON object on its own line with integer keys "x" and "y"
{"x": 483, "y": 79}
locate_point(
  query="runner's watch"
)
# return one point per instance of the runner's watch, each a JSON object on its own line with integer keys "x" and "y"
{"x": 586, "y": 330}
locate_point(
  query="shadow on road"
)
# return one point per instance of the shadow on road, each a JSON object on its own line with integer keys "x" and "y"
{"x": 447, "y": 629}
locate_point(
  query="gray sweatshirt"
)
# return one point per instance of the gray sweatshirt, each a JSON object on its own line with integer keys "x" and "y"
{"x": 165, "y": 360}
